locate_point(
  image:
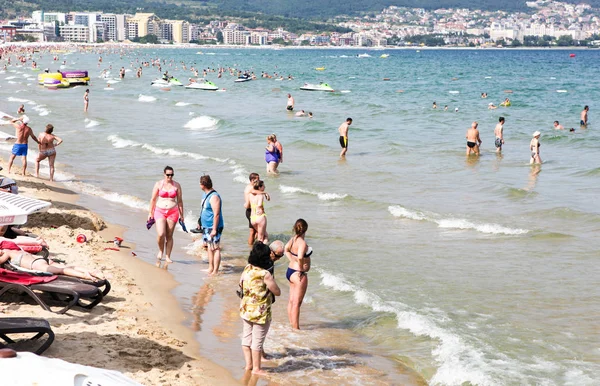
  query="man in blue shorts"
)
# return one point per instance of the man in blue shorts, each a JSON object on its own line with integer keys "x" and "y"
{"x": 212, "y": 223}
{"x": 23, "y": 132}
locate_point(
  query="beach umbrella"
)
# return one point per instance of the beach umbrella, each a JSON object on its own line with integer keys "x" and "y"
{"x": 14, "y": 208}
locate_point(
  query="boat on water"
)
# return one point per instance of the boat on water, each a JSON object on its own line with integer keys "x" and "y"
{"x": 363, "y": 55}
{"x": 239, "y": 80}
{"x": 385, "y": 56}
{"x": 317, "y": 87}
{"x": 320, "y": 68}
{"x": 163, "y": 82}
{"x": 203, "y": 84}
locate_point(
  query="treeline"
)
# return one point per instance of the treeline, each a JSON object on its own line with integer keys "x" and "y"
{"x": 324, "y": 9}
{"x": 198, "y": 12}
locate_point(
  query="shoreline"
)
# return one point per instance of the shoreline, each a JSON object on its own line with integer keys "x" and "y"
{"x": 138, "y": 327}
{"x": 293, "y": 47}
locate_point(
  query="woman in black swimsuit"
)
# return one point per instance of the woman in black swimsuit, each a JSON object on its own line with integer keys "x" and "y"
{"x": 298, "y": 254}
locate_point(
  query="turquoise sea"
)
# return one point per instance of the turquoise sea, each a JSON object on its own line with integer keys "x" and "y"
{"x": 427, "y": 265}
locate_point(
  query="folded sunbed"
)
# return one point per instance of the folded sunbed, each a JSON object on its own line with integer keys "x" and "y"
{"x": 60, "y": 288}
{"x": 39, "y": 327}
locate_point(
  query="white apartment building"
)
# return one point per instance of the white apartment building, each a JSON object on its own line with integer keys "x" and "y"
{"x": 48, "y": 17}
{"x": 115, "y": 27}
{"x": 74, "y": 33}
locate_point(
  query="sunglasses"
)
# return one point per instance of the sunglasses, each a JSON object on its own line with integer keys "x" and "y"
{"x": 170, "y": 175}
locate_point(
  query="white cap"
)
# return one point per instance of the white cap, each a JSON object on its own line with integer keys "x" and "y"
{"x": 537, "y": 133}
{"x": 490, "y": 104}
{"x": 25, "y": 119}
{"x": 456, "y": 109}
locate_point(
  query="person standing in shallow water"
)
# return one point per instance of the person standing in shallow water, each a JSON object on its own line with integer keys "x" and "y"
{"x": 257, "y": 288}
{"x": 211, "y": 216}
{"x": 343, "y": 130}
{"x": 499, "y": 133}
{"x": 473, "y": 140}
{"x": 534, "y": 147}
{"x": 166, "y": 208}
{"x": 298, "y": 253}
{"x": 86, "y": 100}
{"x": 584, "y": 116}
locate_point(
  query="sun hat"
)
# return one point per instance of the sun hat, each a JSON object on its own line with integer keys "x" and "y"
{"x": 537, "y": 134}
{"x": 490, "y": 104}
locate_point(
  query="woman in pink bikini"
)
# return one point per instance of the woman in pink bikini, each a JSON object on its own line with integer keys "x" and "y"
{"x": 166, "y": 207}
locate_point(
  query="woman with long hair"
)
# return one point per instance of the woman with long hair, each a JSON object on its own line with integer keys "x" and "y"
{"x": 298, "y": 253}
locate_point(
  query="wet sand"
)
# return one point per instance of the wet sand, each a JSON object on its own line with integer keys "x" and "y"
{"x": 137, "y": 327}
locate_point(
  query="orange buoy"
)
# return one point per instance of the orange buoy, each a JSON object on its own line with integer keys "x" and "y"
{"x": 571, "y": 55}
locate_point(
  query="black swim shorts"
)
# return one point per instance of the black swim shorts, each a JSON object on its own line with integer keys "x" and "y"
{"x": 290, "y": 108}
{"x": 343, "y": 142}
{"x": 248, "y": 214}
{"x": 471, "y": 144}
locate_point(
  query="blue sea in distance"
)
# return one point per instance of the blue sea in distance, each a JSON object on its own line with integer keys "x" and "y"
{"x": 453, "y": 270}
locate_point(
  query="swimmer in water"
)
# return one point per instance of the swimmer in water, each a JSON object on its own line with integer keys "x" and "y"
{"x": 300, "y": 113}
{"x": 290, "y": 102}
{"x": 434, "y": 105}
{"x": 558, "y": 126}
{"x": 584, "y": 117}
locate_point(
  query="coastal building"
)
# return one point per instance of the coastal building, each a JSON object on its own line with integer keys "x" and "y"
{"x": 115, "y": 26}
{"x": 74, "y": 33}
{"x": 143, "y": 24}
{"x": 177, "y": 31}
{"x": 7, "y": 32}
{"x": 48, "y": 17}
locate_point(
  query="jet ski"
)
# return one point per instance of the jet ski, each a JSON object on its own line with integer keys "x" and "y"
{"x": 317, "y": 87}
{"x": 203, "y": 84}
{"x": 245, "y": 78}
{"x": 163, "y": 82}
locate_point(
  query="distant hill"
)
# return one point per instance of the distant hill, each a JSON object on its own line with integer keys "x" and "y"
{"x": 327, "y": 8}
{"x": 192, "y": 10}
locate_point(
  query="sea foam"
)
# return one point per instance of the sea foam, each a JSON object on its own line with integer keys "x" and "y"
{"x": 454, "y": 223}
{"x": 121, "y": 143}
{"x": 203, "y": 122}
{"x": 322, "y": 196}
{"x": 146, "y": 98}
{"x": 459, "y": 362}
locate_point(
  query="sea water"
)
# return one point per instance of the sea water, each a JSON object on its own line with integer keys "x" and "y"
{"x": 479, "y": 270}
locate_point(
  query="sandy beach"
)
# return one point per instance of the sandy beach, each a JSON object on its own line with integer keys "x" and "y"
{"x": 137, "y": 328}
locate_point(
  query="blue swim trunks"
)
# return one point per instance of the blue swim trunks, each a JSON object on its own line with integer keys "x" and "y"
{"x": 206, "y": 235}
{"x": 20, "y": 149}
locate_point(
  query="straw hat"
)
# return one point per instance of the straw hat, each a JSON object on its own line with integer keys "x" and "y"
{"x": 537, "y": 134}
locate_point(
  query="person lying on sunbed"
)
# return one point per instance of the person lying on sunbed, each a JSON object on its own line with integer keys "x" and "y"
{"x": 26, "y": 260}
{"x": 20, "y": 237}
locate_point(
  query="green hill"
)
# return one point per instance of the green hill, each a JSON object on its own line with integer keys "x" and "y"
{"x": 190, "y": 10}
{"x": 327, "y": 8}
